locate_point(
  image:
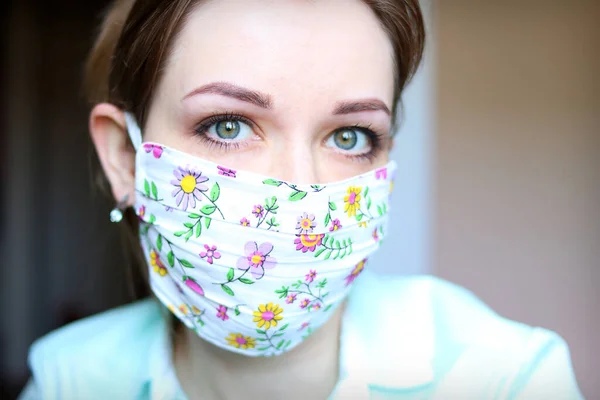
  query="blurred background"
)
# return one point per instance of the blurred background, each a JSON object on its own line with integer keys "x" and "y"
{"x": 499, "y": 189}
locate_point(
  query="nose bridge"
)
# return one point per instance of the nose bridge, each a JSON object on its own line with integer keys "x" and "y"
{"x": 296, "y": 161}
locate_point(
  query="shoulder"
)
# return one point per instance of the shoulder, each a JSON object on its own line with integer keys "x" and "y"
{"x": 82, "y": 359}
{"x": 465, "y": 343}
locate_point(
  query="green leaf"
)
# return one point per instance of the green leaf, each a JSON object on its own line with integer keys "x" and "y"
{"x": 159, "y": 243}
{"x": 379, "y": 210}
{"x": 185, "y": 263}
{"x": 208, "y": 209}
{"x": 359, "y": 217}
{"x": 384, "y": 208}
{"x": 246, "y": 281}
{"x": 283, "y": 328}
{"x": 337, "y": 255}
{"x": 152, "y": 219}
{"x": 227, "y": 289}
{"x": 215, "y": 192}
{"x": 369, "y": 203}
{"x": 179, "y": 234}
{"x": 171, "y": 258}
{"x": 337, "y": 244}
{"x": 263, "y": 348}
{"x": 154, "y": 191}
{"x": 147, "y": 187}
{"x": 297, "y": 195}
{"x": 327, "y": 219}
{"x": 272, "y": 182}
{"x": 189, "y": 235}
{"x": 194, "y": 216}
{"x": 198, "y": 230}
{"x": 343, "y": 254}
{"x": 277, "y": 335}
{"x": 236, "y": 311}
{"x": 280, "y": 344}
{"x": 207, "y": 222}
{"x": 287, "y": 344}
{"x": 332, "y": 206}
{"x": 230, "y": 274}
{"x": 328, "y": 307}
{"x": 188, "y": 225}
{"x": 366, "y": 192}
{"x": 318, "y": 253}
{"x": 261, "y": 332}
{"x": 328, "y": 255}
{"x": 261, "y": 339}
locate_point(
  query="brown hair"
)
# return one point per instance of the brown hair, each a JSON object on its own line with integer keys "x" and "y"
{"x": 126, "y": 61}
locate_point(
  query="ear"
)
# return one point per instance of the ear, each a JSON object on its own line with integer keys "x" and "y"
{"x": 113, "y": 146}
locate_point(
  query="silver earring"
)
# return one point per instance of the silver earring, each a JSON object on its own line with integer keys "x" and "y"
{"x": 116, "y": 214}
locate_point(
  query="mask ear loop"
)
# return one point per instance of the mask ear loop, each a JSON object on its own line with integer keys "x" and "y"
{"x": 133, "y": 129}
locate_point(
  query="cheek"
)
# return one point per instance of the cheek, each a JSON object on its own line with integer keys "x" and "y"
{"x": 335, "y": 167}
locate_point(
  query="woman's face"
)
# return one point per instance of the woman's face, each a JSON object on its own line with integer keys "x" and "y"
{"x": 297, "y": 90}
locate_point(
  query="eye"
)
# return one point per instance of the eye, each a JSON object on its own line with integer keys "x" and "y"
{"x": 352, "y": 140}
{"x": 229, "y": 129}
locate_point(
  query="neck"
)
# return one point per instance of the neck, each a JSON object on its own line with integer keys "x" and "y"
{"x": 308, "y": 371}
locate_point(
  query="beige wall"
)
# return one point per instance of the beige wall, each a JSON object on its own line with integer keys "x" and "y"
{"x": 518, "y": 163}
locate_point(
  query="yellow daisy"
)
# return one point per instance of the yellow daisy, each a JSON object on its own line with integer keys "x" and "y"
{"x": 352, "y": 201}
{"x": 268, "y": 315}
{"x": 240, "y": 341}
{"x": 157, "y": 264}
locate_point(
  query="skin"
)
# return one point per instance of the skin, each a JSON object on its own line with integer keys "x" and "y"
{"x": 306, "y": 59}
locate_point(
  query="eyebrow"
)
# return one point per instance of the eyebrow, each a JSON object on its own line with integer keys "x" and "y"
{"x": 349, "y": 107}
{"x": 265, "y": 101}
{"x": 237, "y": 92}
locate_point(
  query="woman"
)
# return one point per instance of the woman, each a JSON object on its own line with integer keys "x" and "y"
{"x": 251, "y": 138}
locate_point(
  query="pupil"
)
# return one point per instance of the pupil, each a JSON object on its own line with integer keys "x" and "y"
{"x": 228, "y": 129}
{"x": 345, "y": 140}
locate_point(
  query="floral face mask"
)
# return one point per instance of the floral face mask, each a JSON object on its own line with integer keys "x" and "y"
{"x": 252, "y": 264}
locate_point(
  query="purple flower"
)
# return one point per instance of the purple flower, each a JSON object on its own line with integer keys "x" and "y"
{"x": 154, "y": 148}
{"x": 304, "y": 303}
{"x": 311, "y": 276}
{"x": 306, "y": 223}
{"x": 226, "y": 171}
{"x": 244, "y": 222}
{"x": 210, "y": 253}
{"x": 188, "y": 186}
{"x": 222, "y": 313}
{"x": 258, "y": 211}
{"x": 291, "y": 298}
{"x": 335, "y": 225}
{"x": 381, "y": 173}
{"x": 257, "y": 259}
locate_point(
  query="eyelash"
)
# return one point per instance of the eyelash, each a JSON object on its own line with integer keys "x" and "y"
{"x": 375, "y": 138}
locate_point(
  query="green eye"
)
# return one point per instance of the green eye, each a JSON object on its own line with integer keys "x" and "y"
{"x": 227, "y": 129}
{"x": 345, "y": 139}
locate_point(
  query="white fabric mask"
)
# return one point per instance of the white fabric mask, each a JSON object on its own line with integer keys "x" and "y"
{"x": 252, "y": 264}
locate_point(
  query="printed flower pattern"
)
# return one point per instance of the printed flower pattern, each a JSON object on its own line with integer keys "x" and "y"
{"x": 222, "y": 313}
{"x": 226, "y": 172}
{"x": 155, "y": 149}
{"x": 239, "y": 341}
{"x": 157, "y": 264}
{"x": 356, "y": 271}
{"x": 309, "y": 242}
{"x": 210, "y": 253}
{"x": 244, "y": 222}
{"x": 257, "y": 259}
{"x": 306, "y": 223}
{"x": 188, "y": 187}
{"x": 352, "y": 201}
{"x": 268, "y": 315}
{"x": 335, "y": 225}
{"x": 258, "y": 211}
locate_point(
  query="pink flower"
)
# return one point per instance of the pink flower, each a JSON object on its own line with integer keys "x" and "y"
{"x": 222, "y": 313}
{"x": 244, "y": 222}
{"x": 154, "y": 148}
{"x": 311, "y": 276}
{"x": 141, "y": 212}
{"x": 258, "y": 211}
{"x": 226, "y": 171}
{"x": 375, "y": 235}
{"x": 335, "y": 225}
{"x": 304, "y": 326}
{"x": 304, "y": 303}
{"x": 308, "y": 242}
{"x": 291, "y": 298}
{"x": 381, "y": 173}
{"x": 192, "y": 284}
{"x": 210, "y": 253}
{"x": 316, "y": 307}
{"x": 257, "y": 259}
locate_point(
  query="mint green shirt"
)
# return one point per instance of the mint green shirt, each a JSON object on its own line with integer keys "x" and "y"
{"x": 402, "y": 338}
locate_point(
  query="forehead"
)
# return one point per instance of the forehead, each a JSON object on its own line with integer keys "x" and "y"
{"x": 328, "y": 49}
